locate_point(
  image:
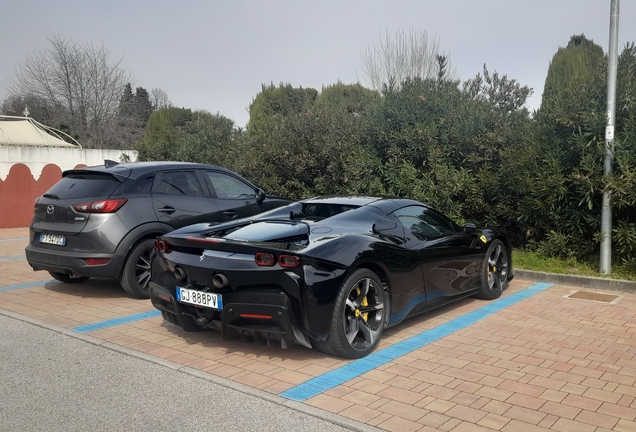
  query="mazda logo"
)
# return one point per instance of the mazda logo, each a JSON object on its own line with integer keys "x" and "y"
{"x": 49, "y": 209}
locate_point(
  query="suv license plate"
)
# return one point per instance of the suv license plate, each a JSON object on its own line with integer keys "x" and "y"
{"x": 199, "y": 298}
{"x": 56, "y": 239}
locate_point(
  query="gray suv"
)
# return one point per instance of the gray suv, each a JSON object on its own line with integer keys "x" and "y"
{"x": 102, "y": 221}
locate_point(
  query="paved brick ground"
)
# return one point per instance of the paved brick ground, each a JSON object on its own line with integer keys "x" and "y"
{"x": 548, "y": 363}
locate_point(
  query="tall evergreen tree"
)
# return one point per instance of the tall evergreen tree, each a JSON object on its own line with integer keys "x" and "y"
{"x": 143, "y": 106}
{"x": 126, "y": 103}
{"x": 575, "y": 80}
{"x": 132, "y": 115}
{"x": 562, "y": 179}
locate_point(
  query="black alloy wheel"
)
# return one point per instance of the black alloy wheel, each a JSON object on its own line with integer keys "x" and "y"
{"x": 136, "y": 273}
{"x": 360, "y": 315}
{"x": 494, "y": 271}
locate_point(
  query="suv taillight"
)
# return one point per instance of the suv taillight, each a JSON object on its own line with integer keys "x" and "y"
{"x": 35, "y": 208}
{"x": 104, "y": 206}
{"x": 163, "y": 246}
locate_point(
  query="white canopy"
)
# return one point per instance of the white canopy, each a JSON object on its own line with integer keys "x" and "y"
{"x": 24, "y": 131}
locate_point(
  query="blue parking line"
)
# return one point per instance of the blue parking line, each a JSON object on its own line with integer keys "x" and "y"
{"x": 26, "y": 285}
{"x": 356, "y": 368}
{"x": 9, "y": 258}
{"x": 116, "y": 321}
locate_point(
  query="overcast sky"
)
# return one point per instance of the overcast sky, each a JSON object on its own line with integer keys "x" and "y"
{"x": 216, "y": 54}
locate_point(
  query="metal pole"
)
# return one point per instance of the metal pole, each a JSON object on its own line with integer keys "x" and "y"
{"x": 606, "y": 211}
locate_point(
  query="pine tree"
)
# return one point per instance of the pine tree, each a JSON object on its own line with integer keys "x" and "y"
{"x": 143, "y": 106}
{"x": 132, "y": 116}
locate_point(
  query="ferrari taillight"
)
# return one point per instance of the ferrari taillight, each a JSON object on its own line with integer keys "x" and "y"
{"x": 163, "y": 246}
{"x": 288, "y": 261}
{"x": 265, "y": 259}
{"x": 103, "y": 206}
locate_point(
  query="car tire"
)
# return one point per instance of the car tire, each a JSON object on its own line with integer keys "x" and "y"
{"x": 360, "y": 315}
{"x": 493, "y": 274}
{"x": 63, "y": 277}
{"x": 136, "y": 272}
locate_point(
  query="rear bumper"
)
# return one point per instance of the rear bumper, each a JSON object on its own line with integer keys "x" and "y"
{"x": 267, "y": 316}
{"x": 70, "y": 262}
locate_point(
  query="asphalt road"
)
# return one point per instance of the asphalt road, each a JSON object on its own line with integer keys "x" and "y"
{"x": 53, "y": 382}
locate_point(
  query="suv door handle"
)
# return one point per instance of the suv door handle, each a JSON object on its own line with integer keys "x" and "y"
{"x": 166, "y": 209}
{"x": 231, "y": 214}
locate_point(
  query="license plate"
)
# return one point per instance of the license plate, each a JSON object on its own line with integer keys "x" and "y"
{"x": 56, "y": 239}
{"x": 199, "y": 298}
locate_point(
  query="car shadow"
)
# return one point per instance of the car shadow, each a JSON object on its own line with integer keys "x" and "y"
{"x": 247, "y": 347}
{"x": 254, "y": 349}
{"x": 442, "y": 310}
{"x": 92, "y": 288}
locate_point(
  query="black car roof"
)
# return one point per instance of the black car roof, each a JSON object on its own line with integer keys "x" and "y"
{"x": 386, "y": 204}
{"x": 353, "y": 200}
{"x": 389, "y": 205}
{"x": 137, "y": 169}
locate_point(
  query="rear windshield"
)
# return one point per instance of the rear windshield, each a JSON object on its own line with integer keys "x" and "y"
{"x": 324, "y": 210}
{"x": 268, "y": 231}
{"x": 84, "y": 186}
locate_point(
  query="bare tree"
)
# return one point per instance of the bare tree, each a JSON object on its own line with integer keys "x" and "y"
{"x": 387, "y": 64}
{"x": 80, "y": 82}
{"x": 159, "y": 99}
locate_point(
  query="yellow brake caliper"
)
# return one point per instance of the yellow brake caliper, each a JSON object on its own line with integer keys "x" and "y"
{"x": 365, "y": 302}
{"x": 494, "y": 270}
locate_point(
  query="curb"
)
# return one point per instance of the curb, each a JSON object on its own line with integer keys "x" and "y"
{"x": 579, "y": 281}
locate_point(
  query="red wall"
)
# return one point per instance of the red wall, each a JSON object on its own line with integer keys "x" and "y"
{"x": 19, "y": 191}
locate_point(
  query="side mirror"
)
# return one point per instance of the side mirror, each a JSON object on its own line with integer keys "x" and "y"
{"x": 469, "y": 225}
{"x": 260, "y": 196}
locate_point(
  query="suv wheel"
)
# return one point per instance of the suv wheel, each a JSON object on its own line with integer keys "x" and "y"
{"x": 136, "y": 273}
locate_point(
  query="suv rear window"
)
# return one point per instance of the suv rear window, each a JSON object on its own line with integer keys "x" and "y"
{"x": 84, "y": 186}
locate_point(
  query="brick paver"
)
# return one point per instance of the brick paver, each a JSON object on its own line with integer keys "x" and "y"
{"x": 548, "y": 363}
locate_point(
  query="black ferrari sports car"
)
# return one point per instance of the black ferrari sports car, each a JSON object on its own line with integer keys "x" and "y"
{"x": 327, "y": 272}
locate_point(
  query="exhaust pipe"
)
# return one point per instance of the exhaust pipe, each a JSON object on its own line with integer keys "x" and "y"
{"x": 220, "y": 281}
{"x": 180, "y": 274}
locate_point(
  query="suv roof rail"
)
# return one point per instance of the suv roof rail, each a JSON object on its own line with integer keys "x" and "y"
{"x": 110, "y": 163}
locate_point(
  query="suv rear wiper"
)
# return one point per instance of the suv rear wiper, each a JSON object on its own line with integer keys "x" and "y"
{"x": 53, "y": 196}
